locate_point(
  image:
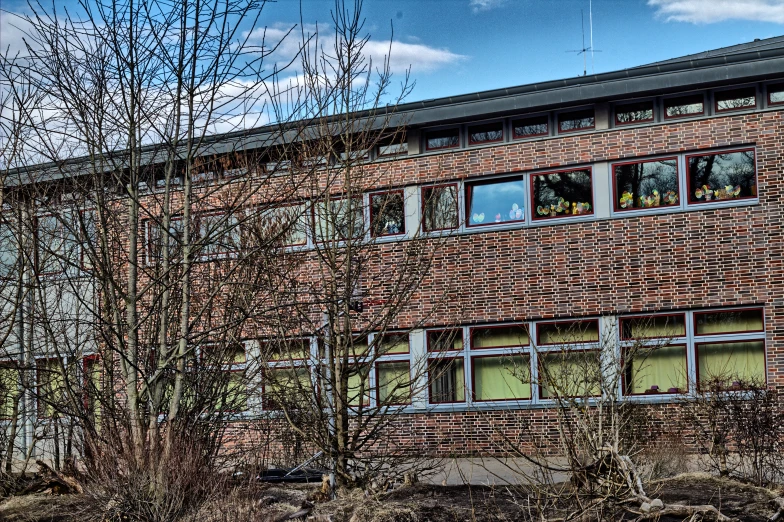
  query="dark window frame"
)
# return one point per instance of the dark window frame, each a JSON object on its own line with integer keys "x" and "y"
{"x": 738, "y": 91}
{"x": 469, "y": 193}
{"x": 423, "y": 206}
{"x": 523, "y": 326}
{"x": 728, "y": 310}
{"x": 544, "y": 117}
{"x": 616, "y": 197}
{"x": 531, "y": 192}
{"x": 567, "y": 321}
{"x": 377, "y": 387}
{"x": 688, "y": 99}
{"x": 689, "y": 188}
{"x": 430, "y": 350}
{"x": 540, "y": 362}
{"x": 776, "y": 87}
{"x": 576, "y": 113}
{"x": 499, "y": 123}
{"x": 729, "y": 341}
{"x": 626, "y": 371}
{"x": 370, "y": 210}
{"x": 524, "y": 354}
{"x": 624, "y": 318}
{"x": 634, "y": 104}
{"x": 447, "y": 359}
{"x": 445, "y": 132}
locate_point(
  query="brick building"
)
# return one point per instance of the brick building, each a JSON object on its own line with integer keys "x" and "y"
{"x": 590, "y": 214}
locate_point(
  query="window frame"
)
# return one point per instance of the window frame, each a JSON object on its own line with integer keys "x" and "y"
{"x": 728, "y": 310}
{"x": 423, "y": 207}
{"x": 468, "y": 188}
{"x": 616, "y": 208}
{"x": 428, "y": 344}
{"x": 543, "y": 219}
{"x": 735, "y": 90}
{"x": 720, "y": 203}
{"x": 621, "y": 105}
{"x": 547, "y": 123}
{"x": 450, "y": 357}
{"x": 524, "y": 353}
{"x": 624, "y": 318}
{"x": 481, "y": 124}
{"x": 446, "y": 133}
{"x": 685, "y": 99}
{"x": 701, "y": 342}
{"x": 473, "y": 329}
{"x": 584, "y": 110}
{"x": 376, "y": 388}
{"x": 541, "y": 355}
{"x": 586, "y": 320}
{"x": 626, "y": 360}
{"x": 402, "y": 193}
{"x": 770, "y": 89}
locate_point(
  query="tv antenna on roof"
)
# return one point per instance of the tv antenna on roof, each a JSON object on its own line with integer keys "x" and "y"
{"x": 584, "y": 50}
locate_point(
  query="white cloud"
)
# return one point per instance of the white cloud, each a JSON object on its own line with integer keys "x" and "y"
{"x": 485, "y": 5}
{"x": 710, "y": 11}
{"x": 421, "y": 58}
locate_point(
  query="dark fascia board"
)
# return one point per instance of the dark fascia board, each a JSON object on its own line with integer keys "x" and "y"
{"x": 641, "y": 81}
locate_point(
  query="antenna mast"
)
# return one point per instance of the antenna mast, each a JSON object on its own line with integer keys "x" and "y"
{"x": 584, "y": 50}
{"x": 590, "y": 26}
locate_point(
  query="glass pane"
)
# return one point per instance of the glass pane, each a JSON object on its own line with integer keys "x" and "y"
{"x": 446, "y": 380}
{"x": 529, "y": 127}
{"x": 657, "y": 370}
{"x": 236, "y": 396}
{"x": 486, "y": 133}
{"x": 499, "y": 337}
{"x": 8, "y": 252}
{"x": 439, "y": 207}
{"x": 634, "y": 112}
{"x": 387, "y": 214}
{"x": 736, "y": 99}
{"x": 719, "y": 177}
{"x": 568, "y": 332}
{"x": 50, "y": 386}
{"x": 219, "y": 233}
{"x": 576, "y": 120}
{"x": 340, "y": 219}
{"x": 90, "y": 238}
{"x": 8, "y": 390}
{"x": 731, "y": 364}
{"x": 443, "y": 139}
{"x": 284, "y": 224}
{"x": 686, "y": 106}
{"x": 504, "y": 377}
{"x": 216, "y": 355}
{"x": 444, "y": 340}
{"x": 562, "y": 194}
{"x": 394, "y": 383}
{"x": 50, "y": 245}
{"x": 286, "y": 386}
{"x": 358, "y": 386}
{"x": 776, "y": 94}
{"x": 500, "y": 202}
{"x": 653, "y": 326}
{"x": 393, "y": 149}
{"x": 286, "y": 350}
{"x": 730, "y": 321}
{"x": 393, "y": 343}
{"x": 569, "y": 374}
{"x": 648, "y": 184}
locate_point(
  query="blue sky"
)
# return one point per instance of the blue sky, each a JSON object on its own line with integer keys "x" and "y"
{"x": 460, "y": 46}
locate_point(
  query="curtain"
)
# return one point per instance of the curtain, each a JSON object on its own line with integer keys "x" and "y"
{"x": 394, "y": 383}
{"x": 447, "y": 381}
{"x": 570, "y": 374}
{"x": 663, "y": 366}
{"x": 732, "y": 362}
{"x": 502, "y": 377}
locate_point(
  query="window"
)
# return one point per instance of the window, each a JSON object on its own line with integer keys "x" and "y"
{"x": 358, "y": 392}
{"x": 721, "y": 176}
{"x": 284, "y": 225}
{"x": 652, "y": 327}
{"x": 50, "y": 386}
{"x": 92, "y": 386}
{"x": 654, "y": 354}
{"x": 155, "y": 240}
{"x": 387, "y": 214}
{"x": 9, "y": 388}
{"x": 693, "y": 105}
{"x": 393, "y": 382}
{"x": 499, "y": 337}
{"x": 442, "y": 139}
{"x": 439, "y": 208}
{"x": 567, "y": 332}
{"x": 339, "y": 219}
{"x": 576, "y": 121}
{"x": 501, "y": 377}
{"x": 731, "y": 364}
{"x": 285, "y": 350}
{"x": 393, "y": 149}
{"x": 530, "y": 127}
{"x": 444, "y": 340}
{"x": 9, "y": 253}
{"x": 776, "y": 94}
{"x": 569, "y": 373}
{"x": 496, "y": 202}
{"x": 561, "y": 194}
{"x": 646, "y": 184}
{"x": 89, "y": 238}
{"x": 486, "y": 133}
{"x": 446, "y": 379}
{"x": 728, "y": 322}
{"x": 392, "y": 344}
{"x": 56, "y": 244}
{"x": 634, "y": 113}
{"x": 285, "y": 387}
{"x": 217, "y": 234}
{"x": 736, "y": 99}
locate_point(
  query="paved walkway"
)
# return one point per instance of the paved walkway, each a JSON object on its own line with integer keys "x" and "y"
{"x": 488, "y": 471}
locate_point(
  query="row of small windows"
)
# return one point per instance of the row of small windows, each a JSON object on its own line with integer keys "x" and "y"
{"x": 692, "y": 105}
